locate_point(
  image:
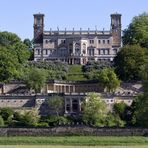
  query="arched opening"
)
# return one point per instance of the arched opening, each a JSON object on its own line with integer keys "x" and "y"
{"x": 75, "y": 105}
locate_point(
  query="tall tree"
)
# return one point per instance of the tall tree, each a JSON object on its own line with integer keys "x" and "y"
{"x": 28, "y": 43}
{"x": 13, "y": 55}
{"x": 56, "y": 104}
{"x": 120, "y": 110}
{"x": 140, "y": 104}
{"x": 12, "y": 42}
{"x": 35, "y": 78}
{"x": 129, "y": 61}
{"x": 108, "y": 79}
{"x": 8, "y": 65}
{"x": 137, "y": 31}
{"x": 94, "y": 109}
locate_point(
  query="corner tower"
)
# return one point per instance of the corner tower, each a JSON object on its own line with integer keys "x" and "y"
{"x": 38, "y": 27}
{"x": 116, "y": 29}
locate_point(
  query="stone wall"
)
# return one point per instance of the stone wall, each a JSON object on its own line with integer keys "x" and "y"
{"x": 17, "y": 101}
{"x": 75, "y": 130}
{"x": 12, "y": 87}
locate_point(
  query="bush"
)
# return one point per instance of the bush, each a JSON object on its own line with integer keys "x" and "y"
{"x": 6, "y": 113}
{"x": 114, "y": 120}
{"x": 42, "y": 124}
{"x": 1, "y": 121}
{"x": 55, "y": 70}
{"x": 120, "y": 109}
{"x": 93, "y": 65}
{"x": 54, "y": 120}
{"x": 28, "y": 118}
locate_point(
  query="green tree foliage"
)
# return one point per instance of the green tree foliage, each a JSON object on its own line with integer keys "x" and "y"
{"x": 28, "y": 43}
{"x": 12, "y": 42}
{"x": 120, "y": 110}
{"x": 8, "y": 65}
{"x": 55, "y": 103}
{"x": 137, "y": 31}
{"x": 35, "y": 78}
{"x": 13, "y": 55}
{"x": 55, "y": 70}
{"x": 1, "y": 121}
{"x": 144, "y": 76}
{"x": 129, "y": 61}
{"x": 54, "y": 120}
{"x": 140, "y": 104}
{"x": 113, "y": 120}
{"x": 6, "y": 113}
{"x": 140, "y": 111}
{"x": 30, "y": 118}
{"x": 93, "y": 67}
{"x": 108, "y": 79}
{"x": 94, "y": 109}
{"x": 25, "y": 118}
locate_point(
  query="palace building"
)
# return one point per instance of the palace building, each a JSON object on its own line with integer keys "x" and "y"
{"x": 76, "y": 47}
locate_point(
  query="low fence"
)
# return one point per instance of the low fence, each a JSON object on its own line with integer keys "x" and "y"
{"x": 65, "y": 131}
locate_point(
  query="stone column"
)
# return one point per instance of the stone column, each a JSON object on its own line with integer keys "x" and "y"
{"x": 79, "y": 101}
{"x": 65, "y": 105}
{"x": 46, "y": 88}
{"x": 74, "y": 88}
{"x": 64, "y": 88}
{"x": 60, "y": 88}
{"x": 71, "y": 105}
{"x": 54, "y": 88}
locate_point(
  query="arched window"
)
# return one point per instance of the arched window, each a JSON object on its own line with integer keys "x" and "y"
{"x": 84, "y": 48}
{"x": 75, "y": 105}
{"x": 77, "y": 49}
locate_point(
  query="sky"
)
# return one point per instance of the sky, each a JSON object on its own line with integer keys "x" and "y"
{"x": 17, "y": 15}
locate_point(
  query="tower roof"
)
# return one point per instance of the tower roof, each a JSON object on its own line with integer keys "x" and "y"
{"x": 115, "y": 14}
{"x": 38, "y": 14}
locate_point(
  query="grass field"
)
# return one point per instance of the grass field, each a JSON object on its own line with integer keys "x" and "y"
{"x": 75, "y": 141}
{"x": 61, "y": 146}
{"x": 75, "y": 73}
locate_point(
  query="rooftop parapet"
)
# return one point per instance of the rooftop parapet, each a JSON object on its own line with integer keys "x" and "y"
{"x": 77, "y": 32}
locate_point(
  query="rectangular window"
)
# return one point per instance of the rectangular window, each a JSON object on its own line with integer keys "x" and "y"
{"x": 46, "y": 41}
{"x": 103, "y": 51}
{"x": 107, "y": 51}
{"x": 63, "y": 41}
{"x": 103, "y": 41}
{"x": 38, "y": 51}
{"x": 91, "y": 41}
{"x": 99, "y": 51}
{"x": 115, "y": 51}
{"x": 46, "y": 51}
{"x": 108, "y": 41}
{"x": 90, "y": 52}
{"x": 99, "y": 41}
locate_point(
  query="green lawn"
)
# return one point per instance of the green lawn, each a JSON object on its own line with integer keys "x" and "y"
{"x": 61, "y": 146}
{"x": 75, "y": 73}
{"x": 75, "y": 141}
{"x": 75, "y": 69}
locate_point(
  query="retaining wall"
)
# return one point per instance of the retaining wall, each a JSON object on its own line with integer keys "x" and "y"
{"x": 68, "y": 130}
